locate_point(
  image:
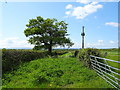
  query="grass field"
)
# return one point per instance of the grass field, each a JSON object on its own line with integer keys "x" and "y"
{"x": 113, "y": 55}
{"x": 61, "y": 72}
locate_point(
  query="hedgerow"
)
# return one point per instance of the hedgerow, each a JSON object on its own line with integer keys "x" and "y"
{"x": 84, "y": 55}
{"x": 11, "y": 58}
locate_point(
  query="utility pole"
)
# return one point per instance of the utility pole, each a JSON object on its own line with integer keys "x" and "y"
{"x": 83, "y": 34}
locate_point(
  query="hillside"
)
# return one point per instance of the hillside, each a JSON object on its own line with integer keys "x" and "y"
{"x": 62, "y": 72}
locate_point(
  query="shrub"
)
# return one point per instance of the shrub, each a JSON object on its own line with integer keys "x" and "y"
{"x": 76, "y": 53}
{"x": 84, "y": 55}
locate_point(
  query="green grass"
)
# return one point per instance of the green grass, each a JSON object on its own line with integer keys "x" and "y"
{"x": 66, "y": 55}
{"x": 60, "y": 72}
{"x": 113, "y": 55}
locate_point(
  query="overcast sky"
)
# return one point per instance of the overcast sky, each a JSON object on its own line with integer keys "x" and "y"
{"x": 99, "y": 18}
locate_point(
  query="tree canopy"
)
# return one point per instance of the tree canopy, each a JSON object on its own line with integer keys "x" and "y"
{"x": 47, "y": 33}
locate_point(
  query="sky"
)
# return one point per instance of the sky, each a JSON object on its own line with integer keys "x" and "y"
{"x": 100, "y": 20}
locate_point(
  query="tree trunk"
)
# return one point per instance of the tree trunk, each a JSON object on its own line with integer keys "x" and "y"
{"x": 50, "y": 46}
{"x": 50, "y": 49}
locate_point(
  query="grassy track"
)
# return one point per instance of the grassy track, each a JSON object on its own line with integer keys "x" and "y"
{"x": 61, "y": 72}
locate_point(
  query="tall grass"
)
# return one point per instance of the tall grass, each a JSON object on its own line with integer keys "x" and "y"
{"x": 54, "y": 73}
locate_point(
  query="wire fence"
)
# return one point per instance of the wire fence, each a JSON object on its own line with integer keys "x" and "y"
{"x": 107, "y": 72}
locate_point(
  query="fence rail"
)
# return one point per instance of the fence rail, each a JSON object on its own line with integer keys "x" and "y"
{"x": 109, "y": 73}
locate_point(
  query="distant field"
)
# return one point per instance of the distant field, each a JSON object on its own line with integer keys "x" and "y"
{"x": 113, "y": 55}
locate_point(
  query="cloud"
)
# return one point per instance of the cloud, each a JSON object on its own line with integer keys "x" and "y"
{"x": 94, "y": 45}
{"x": 69, "y": 6}
{"x": 88, "y": 1}
{"x": 81, "y": 12}
{"x": 76, "y": 45}
{"x": 102, "y": 44}
{"x": 68, "y": 12}
{"x": 100, "y": 41}
{"x": 14, "y": 42}
{"x": 110, "y": 0}
{"x": 111, "y": 42}
{"x": 54, "y": 0}
{"x": 114, "y": 24}
{"x": 83, "y": 1}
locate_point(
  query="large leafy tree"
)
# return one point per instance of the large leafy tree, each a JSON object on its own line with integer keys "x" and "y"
{"x": 47, "y": 33}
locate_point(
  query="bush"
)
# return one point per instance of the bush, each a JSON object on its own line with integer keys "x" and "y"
{"x": 12, "y": 58}
{"x": 84, "y": 55}
{"x": 76, "y": 53}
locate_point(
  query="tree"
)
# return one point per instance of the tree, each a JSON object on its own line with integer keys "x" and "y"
{"x": 47, "y": 33}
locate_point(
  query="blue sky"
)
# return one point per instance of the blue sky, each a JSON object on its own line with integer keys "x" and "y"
{"x": 99, "y": 18}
